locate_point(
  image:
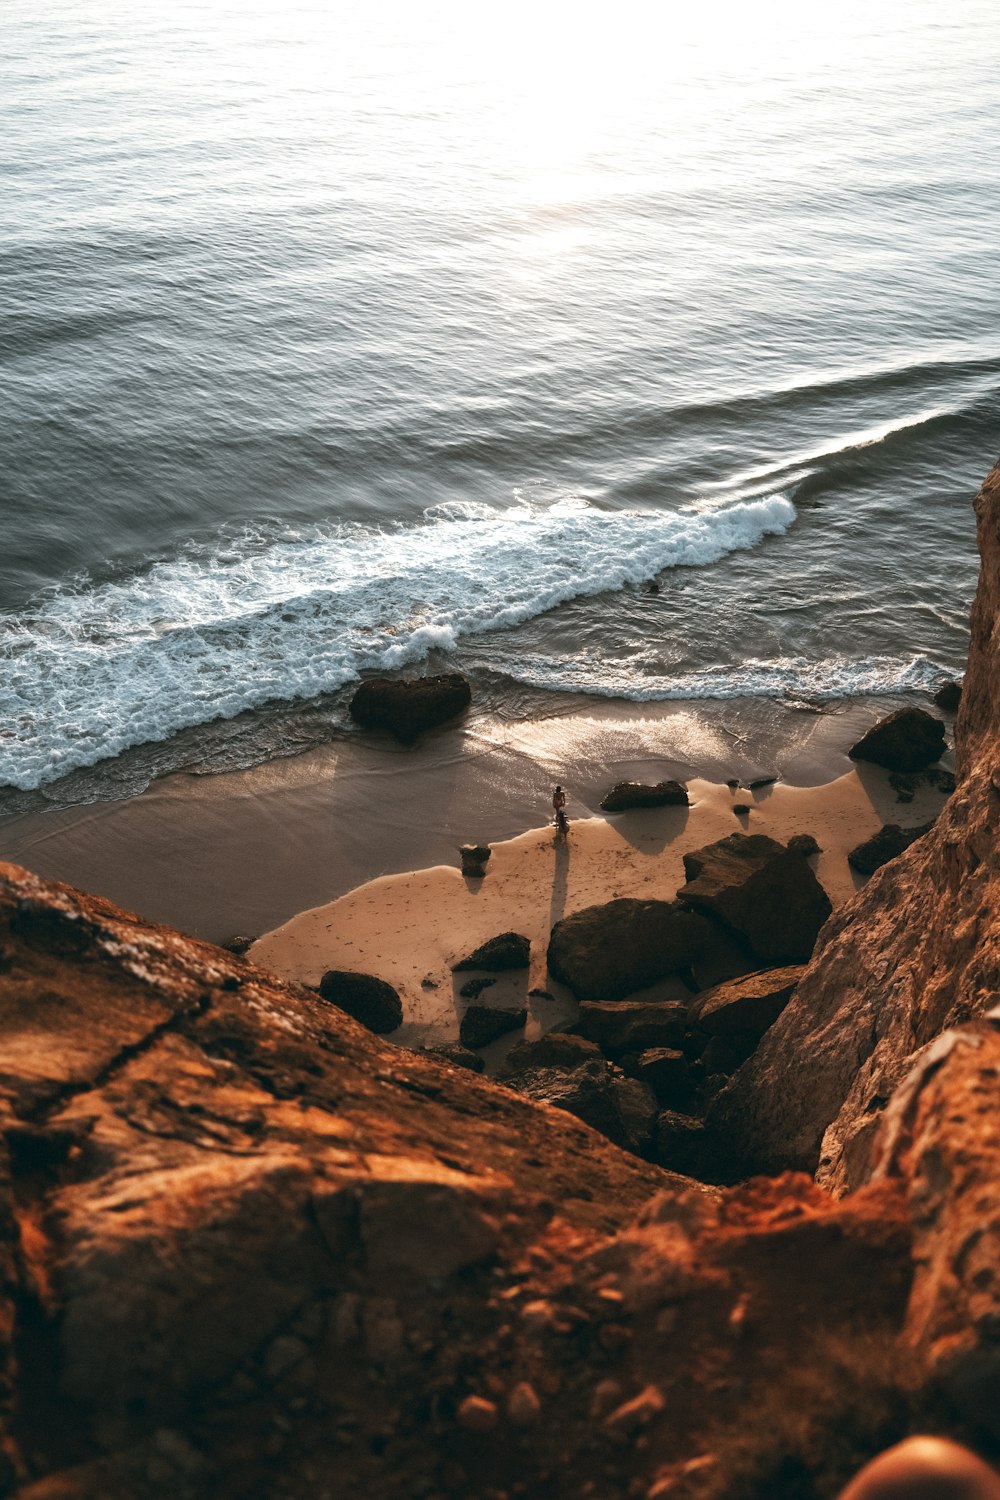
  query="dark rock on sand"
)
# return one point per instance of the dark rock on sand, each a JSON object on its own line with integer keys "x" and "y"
{"x": 405, "y": 708}
{"x": 907, "y": 740}
{"x": 906, "y": 784}
{"x": 631, "y": 1025}
{"x": 949, "y": 696}
{"x": 371, "y": 1001}
{"x": 610, "y": 951}
{"x": 507, "y": 951}
{"x": 804, "y": 844}
{"x": 741, "y": 809}
{"x": 764, "y": 892}
{"x": 620, "y": 1108}
{"x": 556, "y": 1049}
{"x": 639, "y": 794}
{"x": 752, "y": 1003}
{"x": 759, "y": 782}
{"x": 481, "y": 1024}
{"x": 473, "y": 988}
{"x": 474, "y": 859}
{"x": 458, "y": 1056}
{"x": 883, "y": 846}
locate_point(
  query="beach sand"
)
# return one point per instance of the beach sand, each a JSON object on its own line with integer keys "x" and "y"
{"x": 411, "y": 928}
{"x": 243, "y": 851}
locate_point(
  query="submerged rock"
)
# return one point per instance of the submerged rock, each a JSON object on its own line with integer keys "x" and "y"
{"x": 610, "y": 951}
{"x": 369, "y": 1000}
{"x": 406, "y": 707}
{"x": 763, "y": 891}
{"x": 907, "y": 740}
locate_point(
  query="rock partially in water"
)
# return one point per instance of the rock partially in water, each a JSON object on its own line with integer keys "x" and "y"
{"x": 407, "y": 707}
{"x": 949, "y": 696}
{"x": 907, "y": 740}
{"x": 368, "y": 999}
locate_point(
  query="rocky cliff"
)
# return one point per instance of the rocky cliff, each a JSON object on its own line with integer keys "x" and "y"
{"x": 917, "y": 951}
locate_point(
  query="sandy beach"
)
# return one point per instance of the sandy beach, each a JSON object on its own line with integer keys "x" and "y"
{"x": 411, "y": 928}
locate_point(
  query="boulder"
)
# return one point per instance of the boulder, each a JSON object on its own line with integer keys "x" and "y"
{"x": 631, "y": 1026}
{"x": 406, "y": 707}
{"x": 804, "y": 844}
{"x": 619, "y": 1108}
{"x": 949, "y": 696}
{"x": 877, "y": 851}
{"x": 768, "y": 895}
{"x": 371, "y": 1001}
{"x": 610, "y": 951}
{"x": 239, "y": 944}
{"x": 507, "y": 951}
{"x": 907, "y": 740}
{"x": 482, "y": 1024}
{"x": 556, "y": 1049}
{"x": 475, "y": 858}
{"x": 752, "y": 1003}
{"x": 628, "y": 794}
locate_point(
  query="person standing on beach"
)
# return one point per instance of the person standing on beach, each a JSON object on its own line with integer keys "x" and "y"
{"x": 558, "y": 807}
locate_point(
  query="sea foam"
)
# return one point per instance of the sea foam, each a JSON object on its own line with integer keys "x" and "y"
{"x": 95, "y": 670}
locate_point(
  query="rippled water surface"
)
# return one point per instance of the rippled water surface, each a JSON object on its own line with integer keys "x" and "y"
{"x": 332, "y": 340}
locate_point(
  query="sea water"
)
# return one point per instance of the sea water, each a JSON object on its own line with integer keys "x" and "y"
{"x": 644, "y": 353}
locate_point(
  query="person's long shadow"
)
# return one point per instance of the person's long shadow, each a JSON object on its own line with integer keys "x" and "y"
{"x": 560, "y": 879}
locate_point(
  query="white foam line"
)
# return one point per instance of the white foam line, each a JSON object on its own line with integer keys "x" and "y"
{"x": 95, "y": 671}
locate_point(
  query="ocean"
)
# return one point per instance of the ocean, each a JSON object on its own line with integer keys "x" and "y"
{"x": 650, "y": 354}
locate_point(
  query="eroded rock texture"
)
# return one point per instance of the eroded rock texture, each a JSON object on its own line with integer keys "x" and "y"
{"x": 917, "y": 951}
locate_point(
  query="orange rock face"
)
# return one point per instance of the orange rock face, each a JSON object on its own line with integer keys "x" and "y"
{"x": 916, "y": 952}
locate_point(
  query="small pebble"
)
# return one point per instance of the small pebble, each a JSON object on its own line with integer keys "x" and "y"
{"x": 476, "y": 1414}
{"x": 523, "y": 1406}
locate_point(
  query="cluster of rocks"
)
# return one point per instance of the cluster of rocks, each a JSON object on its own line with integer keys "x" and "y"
{"x": 641, "y": 1070}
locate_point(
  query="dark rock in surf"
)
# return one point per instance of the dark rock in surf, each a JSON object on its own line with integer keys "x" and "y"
{"x": 629, "y": 794}
{"x": 406, "y": 707}
{"x": 949, "y": 696}
{"x": 474, "y": 859}
{"x": 907, "y": 740}
{"x": 371, "y": 1001}
{"x": 507, "y": 951}
{"x": 890, "y": 841}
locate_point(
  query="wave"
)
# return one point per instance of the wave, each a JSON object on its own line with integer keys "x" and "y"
{"x": 789, "y": 678}
{"x": 94, "y": 671}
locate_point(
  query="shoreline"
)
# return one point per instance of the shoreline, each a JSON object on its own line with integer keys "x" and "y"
{"x": 244, "y": 851}
{"x": 411, "y": 928}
